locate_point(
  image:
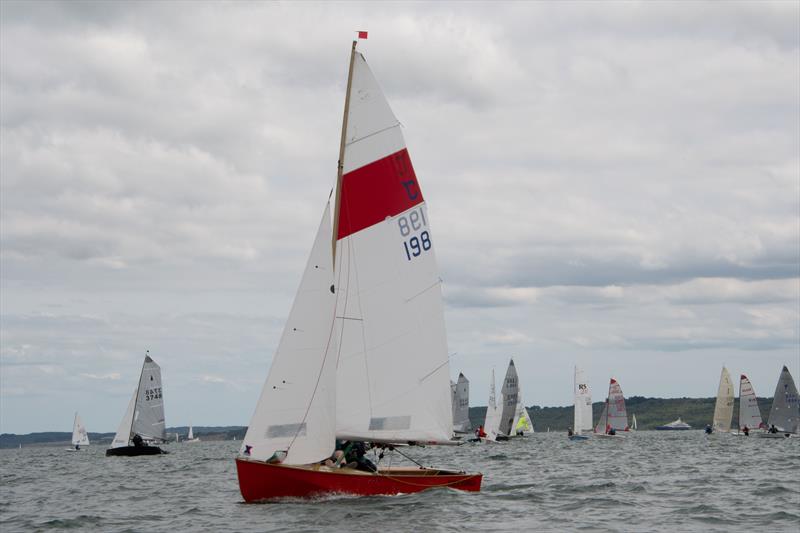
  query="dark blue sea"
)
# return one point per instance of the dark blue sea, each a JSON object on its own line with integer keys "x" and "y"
{"x": 649, "y": 481}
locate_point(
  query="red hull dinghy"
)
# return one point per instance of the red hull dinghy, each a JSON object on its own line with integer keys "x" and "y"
{"x": 363, "y": 357}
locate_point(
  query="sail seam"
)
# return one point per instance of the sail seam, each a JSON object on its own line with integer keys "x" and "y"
{"x": 354, "y": 141}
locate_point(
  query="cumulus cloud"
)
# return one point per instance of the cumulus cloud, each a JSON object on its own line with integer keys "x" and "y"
{"x": 611, "y": 184}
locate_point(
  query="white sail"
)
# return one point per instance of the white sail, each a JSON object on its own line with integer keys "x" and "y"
{"x": 79, "y": 435}
{"x": 123, "y": 436}
{"x": 491, "y": 424}
{"x": 582, "y": 420}
{"x": 749, "y": 413}
{"x": 148, "y": 419}
{"x": 190, "y": 436}
{"x": 509, "y": 393}
{"x": 634, "y": 424}
{"x": 785, "y": 412}
{"x": 295, "y": 414}
{"x": 392, "y": 366}
{"x": 723, "y": 410}
{"x": 461, "y": 421}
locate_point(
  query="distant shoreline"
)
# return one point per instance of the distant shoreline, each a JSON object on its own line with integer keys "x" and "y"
{"x": 650, "y": 412}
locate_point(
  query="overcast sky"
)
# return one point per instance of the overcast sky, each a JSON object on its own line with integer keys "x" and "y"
{"x": 610, "y": 184}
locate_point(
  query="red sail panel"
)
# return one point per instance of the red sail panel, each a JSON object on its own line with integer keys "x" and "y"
{"x": 383, "y": 188}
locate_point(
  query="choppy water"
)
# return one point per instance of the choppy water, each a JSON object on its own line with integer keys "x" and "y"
{"x": 650, "y": 481}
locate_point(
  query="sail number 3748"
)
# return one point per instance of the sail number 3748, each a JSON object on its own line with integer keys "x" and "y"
{"x": 416, "y": 239}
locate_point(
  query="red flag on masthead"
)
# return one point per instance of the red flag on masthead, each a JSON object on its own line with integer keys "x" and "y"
{"x": 362, "y": 34}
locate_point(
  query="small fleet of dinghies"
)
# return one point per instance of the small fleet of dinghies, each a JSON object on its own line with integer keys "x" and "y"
{"x": 363, "y": 358}
{"x": 784, "y": 417}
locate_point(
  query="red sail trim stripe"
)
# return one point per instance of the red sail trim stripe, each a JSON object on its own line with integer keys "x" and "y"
{"x": 383, "y": 188}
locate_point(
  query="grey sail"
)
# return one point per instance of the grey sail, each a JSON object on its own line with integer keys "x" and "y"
{"x": 148, "y": 418}
{"x": 508, "y": 394}
{"x": 461, "y": 423}
{"x": 602, "y": 422}
{"x": 785, "y": 413}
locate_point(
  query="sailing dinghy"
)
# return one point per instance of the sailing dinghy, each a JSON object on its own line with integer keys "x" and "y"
{"x": 460, "y": 389}
{"x": 143, "y": 424}
{"x": 79, "y": 435}
{"x": 784, "y": 416}
{"x": 190, "y": 436}
{"x": 582, "y": 416}
{"x": 749, "y": 413}
{"x": 491, "y": 423}
{"x": 363, "y": 356}
{"x": 614, "y": 416}
{"x": 723, "y": 408}
{"x": 509, "y": 394}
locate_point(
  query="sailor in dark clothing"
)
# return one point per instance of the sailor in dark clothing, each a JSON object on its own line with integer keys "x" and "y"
{"x": 137, "y": 441}
{"x": 773, "y": 429}
{"x": 746, "y": 431}
{"x": 708, "y": 429}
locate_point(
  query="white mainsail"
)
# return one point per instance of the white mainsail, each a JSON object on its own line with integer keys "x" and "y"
{"x": 634, "y": 424}
{"x": 148, "y": 418}
{"x": 749, "y": 413}
{"x": 295, "y": 414}
{"x": 392, "y": 365}
{"x": 461, "y": 423}
{"x": 723, "y": 409}
{"x": 582, "y": 420}
{"x": 785, "y": 412}
{"x": 509, "y": 393}
{"x": 123, "y": 435}
{"x": 79, "y": 435}
{"x": 190, "y": 436}
{"x": 491, "y": 424}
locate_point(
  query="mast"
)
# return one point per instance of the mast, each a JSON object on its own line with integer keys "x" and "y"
{"x": 340, "y": 165}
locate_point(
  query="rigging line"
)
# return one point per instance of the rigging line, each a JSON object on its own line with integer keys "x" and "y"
{"x": 397, "y": 125}
{"x": 426, "y": 289}
{"x": 429, "y": 374}
{"x": 407, "y": 457}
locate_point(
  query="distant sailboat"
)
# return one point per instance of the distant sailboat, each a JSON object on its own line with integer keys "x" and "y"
{"x": 491, "y": 424}
{"x": 749, "y": 413}
{"x": 190, "y": 437}
{"x": 785, "y": 413}
{"x": 363, "y": 356}
{"x": 634, "y": 424}
{"x": 582, "y": 414}
{"x": 460, "y": 400}
{"x": 143, "y": 424}
{"x": 723, "y": 409}
{"x": 79, "y": 435}
{"x": 614, "y": 416}
{"x": 509, "y": 393}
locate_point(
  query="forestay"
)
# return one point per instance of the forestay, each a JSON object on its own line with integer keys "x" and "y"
{"x": 509, "y": 393}
{"x": 583, "y": 403}
{"x": 123, "y": 435}
{"x": 723, "y": 409}
{"x": 296, "y": 411}
{"x": 749, "y": 413}
{"x": 785, "y": 413}
{"x": 148, "y": 418}
{"x": 460, "y": 388}
{"x": 79, "y": 435}
{"x": 392, "y": 366}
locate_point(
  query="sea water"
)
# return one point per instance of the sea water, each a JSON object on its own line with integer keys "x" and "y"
{"x": 648, "y": 481}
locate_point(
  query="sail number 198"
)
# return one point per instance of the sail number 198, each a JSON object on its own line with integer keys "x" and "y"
{"x": 416, "y": 240}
